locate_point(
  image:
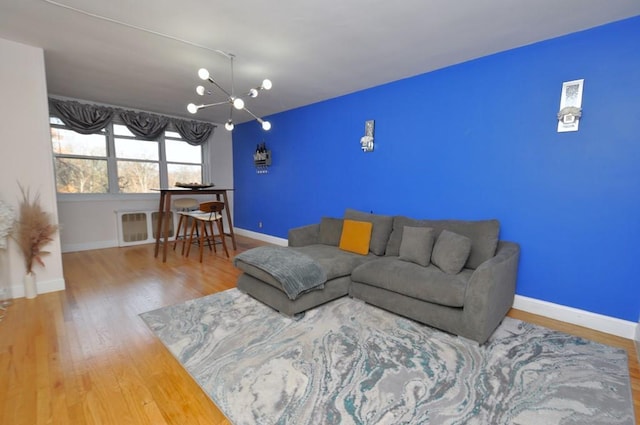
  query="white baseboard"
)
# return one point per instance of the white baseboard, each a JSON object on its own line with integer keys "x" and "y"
{"x": 598, "y": 322}
{"x": 87, "y": 246}
{"x": 637, "y": 341}
{"x": 261, "y": 237}
{"x": 17, "y": 291}
{"x": 74, "y": 247}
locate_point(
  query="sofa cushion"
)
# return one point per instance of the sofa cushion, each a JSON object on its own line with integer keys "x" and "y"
{"x": 330, "y": 231}
{"x": 428, "y": 284}
{"x": 450, "y": 252}
{"x": 416, "y": 245}
{"x": 334, "y": 261}
{"x": 382, "y": 226}
{"x": 356, "y": 236}
{"x": 483, "y": 234}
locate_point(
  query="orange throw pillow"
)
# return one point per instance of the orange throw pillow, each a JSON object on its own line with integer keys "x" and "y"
{"x": 356, "y": 236}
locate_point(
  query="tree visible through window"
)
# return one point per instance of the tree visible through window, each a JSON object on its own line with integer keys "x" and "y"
{"x": 115, "y": 161}
{"x": 80, "y": 161}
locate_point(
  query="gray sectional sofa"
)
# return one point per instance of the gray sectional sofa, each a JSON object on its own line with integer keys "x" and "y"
{"x": 454, "y": 275}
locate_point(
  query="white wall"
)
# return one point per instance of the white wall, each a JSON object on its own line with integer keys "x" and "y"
{"x": 91, "y": 224}
{"x": 25, "y": 153}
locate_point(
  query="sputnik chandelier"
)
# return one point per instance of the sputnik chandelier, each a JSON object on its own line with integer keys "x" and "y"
{"x": 232, "y": 99}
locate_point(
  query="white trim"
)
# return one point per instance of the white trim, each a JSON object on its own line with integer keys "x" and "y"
{"x": 598, "y": 322}
{"x": 17, "y": 291}
{"x": 637, "y": 340}
{"x": 74, "y": 247}
{"x": 114, "y": 243}
{"x": 261, "y": 237}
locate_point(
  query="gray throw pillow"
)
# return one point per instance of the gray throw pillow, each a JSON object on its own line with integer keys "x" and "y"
{"x": 330, "y": 231}
{"x": 382, "y": 226}
{"x": 451, "y": 251}
{"x": 484, "y": 235}
{"x": 416, "y": 245}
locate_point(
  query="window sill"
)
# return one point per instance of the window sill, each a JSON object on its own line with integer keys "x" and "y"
{"x": 105, "y": 197}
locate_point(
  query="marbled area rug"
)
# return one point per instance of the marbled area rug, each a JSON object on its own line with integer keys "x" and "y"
{"x": 351, "y": 363}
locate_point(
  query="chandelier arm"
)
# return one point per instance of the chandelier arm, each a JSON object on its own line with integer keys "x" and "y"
{"x": 213, "y": 104}
{"x": 252, "y": 114}
{"x": 212, "y": 81}
{"x": 232, "y": 79}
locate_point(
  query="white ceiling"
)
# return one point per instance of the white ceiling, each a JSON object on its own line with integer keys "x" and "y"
{"x": 312, "y": 50}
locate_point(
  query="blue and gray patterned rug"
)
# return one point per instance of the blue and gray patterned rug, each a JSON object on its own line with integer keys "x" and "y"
{"x": 350, "y": 363}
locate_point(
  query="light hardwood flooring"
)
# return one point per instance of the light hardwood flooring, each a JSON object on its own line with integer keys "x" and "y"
{"x": 83, "y": 356}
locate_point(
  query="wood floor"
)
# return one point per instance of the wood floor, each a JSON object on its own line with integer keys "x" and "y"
{"x": 83, "y": 356}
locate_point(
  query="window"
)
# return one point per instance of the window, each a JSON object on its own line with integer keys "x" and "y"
{"x": 80, "y": 160}
{"x": 184, "y": 162}
{"x": 115, "y": 161}
{"x": 137, "y": 161}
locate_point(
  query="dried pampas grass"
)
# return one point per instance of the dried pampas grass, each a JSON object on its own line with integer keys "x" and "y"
{"x": 34, "y": 229}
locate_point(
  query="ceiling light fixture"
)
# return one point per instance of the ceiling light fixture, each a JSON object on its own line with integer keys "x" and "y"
{"x": 232, "y": 100}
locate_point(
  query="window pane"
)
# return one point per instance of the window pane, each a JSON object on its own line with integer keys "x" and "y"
{"x": 179, "y": 151}
{"x": 136, "y": 149}
{"x": 138, "y": 177}
{"x": 71, "y": 143}
{"x": 55, "y": 120}
{"x": 184, "y": 174}
{"x": 173, "y": 134}
{"x": 81, "y": 175}
{"x": 122, "y": 130}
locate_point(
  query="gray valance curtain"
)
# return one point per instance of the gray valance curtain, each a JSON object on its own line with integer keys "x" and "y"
{"x": 87, "y": 119}
{"x": 144, "y": 126}
{"x": 82, "y": 118}
{"x": 194, "y": 132}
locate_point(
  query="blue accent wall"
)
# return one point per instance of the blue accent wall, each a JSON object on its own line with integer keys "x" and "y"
{"x": 478, "y": 140}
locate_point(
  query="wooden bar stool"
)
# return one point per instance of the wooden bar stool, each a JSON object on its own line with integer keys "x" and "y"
{"x": 209, "y": 212}
{"x": 183, "y": 207}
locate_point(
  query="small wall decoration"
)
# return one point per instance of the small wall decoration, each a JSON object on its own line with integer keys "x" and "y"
{"x": 262, "y": 159}
{"x": 570, "y": 106}
{"x": 366, "y": 141}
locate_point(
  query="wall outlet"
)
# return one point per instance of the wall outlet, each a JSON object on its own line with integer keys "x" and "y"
{"x": 260, "y": 224}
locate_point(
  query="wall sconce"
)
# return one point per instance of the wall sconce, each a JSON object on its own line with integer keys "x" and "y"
{"x": 366, "y": 141}
{"x": 570, "y": 106}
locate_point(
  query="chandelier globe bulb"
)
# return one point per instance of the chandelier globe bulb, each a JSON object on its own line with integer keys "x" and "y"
{"x": 203, "y": 74}
{"x": 192, "y": 108}
{"x": 238, "y": 103}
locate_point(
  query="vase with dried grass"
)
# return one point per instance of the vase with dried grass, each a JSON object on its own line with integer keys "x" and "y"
{"x": 34, "y": 230}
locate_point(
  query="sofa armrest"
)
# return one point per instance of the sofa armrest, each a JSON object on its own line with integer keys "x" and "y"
{"x": 491, "y": 291}
{"x": 304, "y": 235}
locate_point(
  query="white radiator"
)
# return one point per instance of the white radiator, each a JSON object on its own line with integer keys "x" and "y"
{"x": 137, "y": 227}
